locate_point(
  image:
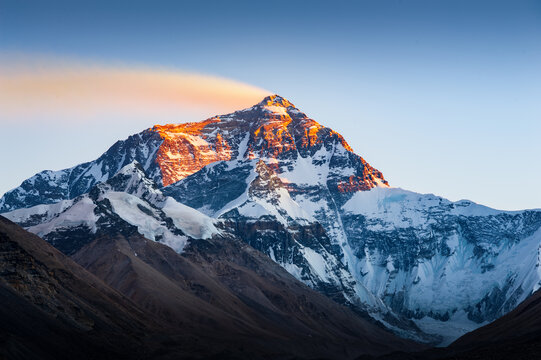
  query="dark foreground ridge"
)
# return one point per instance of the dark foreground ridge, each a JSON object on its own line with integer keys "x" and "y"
{"x": 51, "y": 308}
{"x": 221, "y": 299}
{"x": 516, "y": 335}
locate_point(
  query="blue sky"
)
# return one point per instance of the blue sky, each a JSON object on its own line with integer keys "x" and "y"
{"x": 441, "y": 96}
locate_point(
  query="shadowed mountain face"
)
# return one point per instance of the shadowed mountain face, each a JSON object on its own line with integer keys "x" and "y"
{"x": 225, "y": 290}
{"x": 517, "y": 335}
{"x": 220, "y": 298}
{"x": 426, "y": 268}
{"x": 54, "y": 309}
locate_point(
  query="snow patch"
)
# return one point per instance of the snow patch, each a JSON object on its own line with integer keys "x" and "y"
{"x": 278, "y": 110}
{"x": 192, "y": 222}
{"x": 129, "y": 208}
{"x": 81, "y": 213}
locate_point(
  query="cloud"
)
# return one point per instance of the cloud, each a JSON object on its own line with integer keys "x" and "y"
{"x": 76, "y": 92}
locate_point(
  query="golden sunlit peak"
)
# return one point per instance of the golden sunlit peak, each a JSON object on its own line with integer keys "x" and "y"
{"x": 276, "y": 100}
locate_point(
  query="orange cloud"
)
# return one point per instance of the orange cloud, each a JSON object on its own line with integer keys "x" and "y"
{"x": 80, "y": 92}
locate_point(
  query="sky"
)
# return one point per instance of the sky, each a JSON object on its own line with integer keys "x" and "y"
{"x": 441, "y": 96}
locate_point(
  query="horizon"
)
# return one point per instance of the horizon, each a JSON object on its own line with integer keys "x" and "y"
{"x": 441, "y": 98}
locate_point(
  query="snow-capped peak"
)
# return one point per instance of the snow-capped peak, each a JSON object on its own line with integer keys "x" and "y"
{"x": 276, "y": 100}
{"x": 278, "y": 106}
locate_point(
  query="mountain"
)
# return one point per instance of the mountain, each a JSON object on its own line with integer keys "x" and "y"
{"x": 426, "y": 268}
{"x": 220, "y": 299}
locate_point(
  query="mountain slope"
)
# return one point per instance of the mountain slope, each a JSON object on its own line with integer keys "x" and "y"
{"x": 516, "y": 335}
{"x": 54, "y": 309}
{"x": 223, "y": 290}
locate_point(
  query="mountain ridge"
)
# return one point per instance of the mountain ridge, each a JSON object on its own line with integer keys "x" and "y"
{"x": 159, "y": 149}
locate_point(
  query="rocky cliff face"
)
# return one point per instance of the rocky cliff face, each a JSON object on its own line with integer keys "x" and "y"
{"x": 439, "y": 262}
{"x": 423, "y": 266}
{"x": 49, "y": 187}
{"x": 127, "y": 203}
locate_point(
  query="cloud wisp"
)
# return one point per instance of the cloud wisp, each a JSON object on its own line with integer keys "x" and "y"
{"x": 79, "y": 93}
